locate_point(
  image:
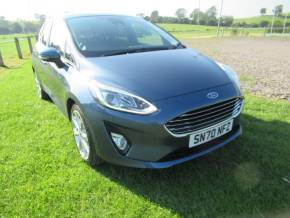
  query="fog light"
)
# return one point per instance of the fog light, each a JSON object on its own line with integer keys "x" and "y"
{"x": 120, "y": 141}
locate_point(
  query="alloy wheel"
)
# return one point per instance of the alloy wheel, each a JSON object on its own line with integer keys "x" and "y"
{"x": 80, "y": 134}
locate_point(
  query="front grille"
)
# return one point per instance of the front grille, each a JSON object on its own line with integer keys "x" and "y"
{"x": 204, "y": 117}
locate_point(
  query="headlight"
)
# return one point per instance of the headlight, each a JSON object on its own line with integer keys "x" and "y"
{"x": 231, "y": 73}
{"x": 121, "y": 100}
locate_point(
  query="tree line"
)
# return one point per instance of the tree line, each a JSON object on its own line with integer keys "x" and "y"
{"x": 210, "y": 18}
{"x": 20, "y": 26}
{"x": 182, "y": 16}
{"x": 277, "y": 12}
{"x": 196, "y": 17}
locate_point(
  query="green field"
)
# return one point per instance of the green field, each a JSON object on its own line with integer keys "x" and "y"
{"x": 186, "y": 27}
{"x": 43, "y": 175}
{"x": 187, "y": 31}
{"x": 258, "y": 19}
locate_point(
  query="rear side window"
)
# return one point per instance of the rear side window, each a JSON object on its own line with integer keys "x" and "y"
{"x": 57, "y": 36}
{"x": 46, "y": 32}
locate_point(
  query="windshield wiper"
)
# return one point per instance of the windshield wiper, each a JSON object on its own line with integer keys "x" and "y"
{"x": 135, "y": 50}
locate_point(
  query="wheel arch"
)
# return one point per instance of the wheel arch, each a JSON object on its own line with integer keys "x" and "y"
{"x": 71, "y": 100}
{"x": 33, "y": 70}
{"x": 69, "y": 103}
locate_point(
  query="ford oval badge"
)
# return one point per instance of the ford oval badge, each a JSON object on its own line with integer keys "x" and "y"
{"x": 212, "y": 95}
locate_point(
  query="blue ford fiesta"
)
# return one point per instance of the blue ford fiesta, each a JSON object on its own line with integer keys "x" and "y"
{"x": 135, "y": 96}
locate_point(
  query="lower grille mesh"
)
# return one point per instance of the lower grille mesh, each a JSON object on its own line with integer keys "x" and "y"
{"x": 205, "y": 117}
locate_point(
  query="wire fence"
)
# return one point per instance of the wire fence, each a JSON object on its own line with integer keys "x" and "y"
{"x": 231, "y": 32}
{"x": 262, "y": 31}
{"x": 13, "y": 49}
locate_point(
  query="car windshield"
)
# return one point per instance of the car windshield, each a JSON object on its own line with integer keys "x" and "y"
{"x": 104, "y": 35}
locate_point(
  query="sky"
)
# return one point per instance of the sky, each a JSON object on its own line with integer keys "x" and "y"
{"x": 25, "y": 9}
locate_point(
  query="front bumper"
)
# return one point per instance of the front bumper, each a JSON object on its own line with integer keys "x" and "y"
{"x": 189, "y": 154}
{"x": 152, "y": 146}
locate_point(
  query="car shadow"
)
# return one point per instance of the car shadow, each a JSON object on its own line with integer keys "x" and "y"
{"x": 244, "y": 178}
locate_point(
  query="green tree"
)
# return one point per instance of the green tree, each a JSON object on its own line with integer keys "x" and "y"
{"x": 4, "y": 25}
{"x": 30, "y": 26}
{"x": 203, "y": 19}
{"x": 154, "y": 16}
{"x": 181, "y": 13}
{"x": 194, "y": 16}
{"x": 211, "y": 16}
{"x": 264, "y": 23}
{"x": 278, "y": 23}
{"x": 227, "y": 20}
{"x": 16, "y": 28}
{"x": 278, "y": 10}
{"x": 147, "y": 18}
{"x": 263, "y": 11}
{"x": 211, "y": 12}
{"x": 19, "y": 26}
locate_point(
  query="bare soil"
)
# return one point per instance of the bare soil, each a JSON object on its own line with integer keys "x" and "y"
{"x": 263, "y": 64}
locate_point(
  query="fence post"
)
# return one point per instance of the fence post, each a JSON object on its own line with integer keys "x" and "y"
{"x": 1, "y": 61}
{"x": 29, "y": 44}
{"x": 265, "y": 30}
{"x": 18, "y": 48}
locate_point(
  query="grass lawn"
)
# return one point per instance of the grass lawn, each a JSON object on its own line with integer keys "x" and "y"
{"x": 186, "y": 27}
{"x": 41, "y": 173}
{"x": 186, "y": 31}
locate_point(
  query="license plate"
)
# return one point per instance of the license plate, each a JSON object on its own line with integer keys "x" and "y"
{"x": 210, "y": 133}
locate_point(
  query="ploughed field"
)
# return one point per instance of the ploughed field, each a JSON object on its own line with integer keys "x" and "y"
{"x": 263, "y": 64}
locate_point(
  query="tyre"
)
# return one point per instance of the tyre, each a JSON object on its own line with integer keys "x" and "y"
{"x": 83, "y": 138}
{"x": 40, "y": 92}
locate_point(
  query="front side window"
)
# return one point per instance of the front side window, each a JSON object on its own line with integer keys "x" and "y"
{"x": 41, "y": 32}
{"x": 46, "y": 32}
{"x": 102, "y": 34}
{"x": 57, "y": 37}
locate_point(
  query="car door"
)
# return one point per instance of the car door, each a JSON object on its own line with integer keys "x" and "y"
{"x": 59, "y": 76}
{"x": 64, "y": 76}
{"x": 42, "y": 67}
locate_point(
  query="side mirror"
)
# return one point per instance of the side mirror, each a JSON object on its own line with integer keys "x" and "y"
{"x": 50, "y": 54}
